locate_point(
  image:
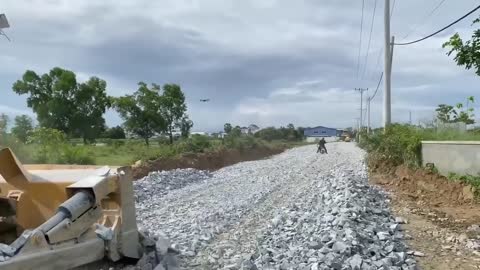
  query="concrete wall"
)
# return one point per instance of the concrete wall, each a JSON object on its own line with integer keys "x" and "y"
{"x": 462, "y": 157}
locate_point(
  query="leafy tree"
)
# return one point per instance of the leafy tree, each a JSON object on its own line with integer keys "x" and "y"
{"x": 62, "y": 103}
{"x": 458, "y": 113}
{"x": 227, "y": 128}
{"x": 141, "y": 111}
{"x": 114, "y": 133}
{"x": 444, "y": 113}
{"x": 236, "y": 131}
{"x": 185, "y": 126}
{"x": 22, "y": 127}
{"x": 467, "y": 53}
{"x": 173, "y": 107}
{"x": 87, "y": 120}
{"x": 3, "y": 123}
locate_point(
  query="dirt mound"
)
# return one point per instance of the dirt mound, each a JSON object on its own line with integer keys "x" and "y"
{"x": 205, "y": 161}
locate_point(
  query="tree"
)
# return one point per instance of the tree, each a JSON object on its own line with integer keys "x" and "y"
{"x": 3, "y": 123}
{"x": 114, "y": 133}
{"x": 467, "y": 53}
{"x": 227, "y": 128}
{"x": 142, "y": 111}
{"x": 185, "y": 126}
{"x": 23, "y": 127}
{"x": 50, "y": 142}
{"x": 87, "y": 120}
{"x": 173, "y": 107}
{"x": 63, "y": 104}
{"x": 458, "y": 113}
{"x": 236, "y": 131}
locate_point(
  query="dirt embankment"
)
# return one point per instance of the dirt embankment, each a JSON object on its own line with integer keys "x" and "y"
{"x": 206, "y": 161}
{"x": 441, "y": 215}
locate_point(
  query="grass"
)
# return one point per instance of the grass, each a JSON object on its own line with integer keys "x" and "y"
{"x": 127, "y": 152}
{"x": 472, "y": 180}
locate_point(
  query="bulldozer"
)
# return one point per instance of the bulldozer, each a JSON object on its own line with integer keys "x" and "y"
{"x": 65, "y": 217}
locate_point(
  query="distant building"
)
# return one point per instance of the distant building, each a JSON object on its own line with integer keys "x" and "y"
{"x": 245, "y": 130}
{"x": 314, "y": 134}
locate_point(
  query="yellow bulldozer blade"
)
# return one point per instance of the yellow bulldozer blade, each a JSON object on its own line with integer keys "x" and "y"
{"x": 61, "y": 217}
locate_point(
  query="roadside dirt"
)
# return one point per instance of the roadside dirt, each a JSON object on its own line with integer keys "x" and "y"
{"x": 205, "y": 161}
{"x": 440, "y": 214}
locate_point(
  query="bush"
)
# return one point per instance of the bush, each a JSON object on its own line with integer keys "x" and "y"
{"x": 197, "y": 143}
{"x": 400, "y": 144}
{"x": 75, "y": 155}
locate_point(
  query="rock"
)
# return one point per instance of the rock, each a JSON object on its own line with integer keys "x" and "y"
{"x": 162, "y": 245}
{"x": 314, "y": 245}
{"x": 339, "y": 247}
{"x": 473, "y": 244}
{"x": 248, "y": 265}
{"x": 356, "y": 262}
{"x": 401, "y": 220}
{"x": 383, "y": 236}
{"x": 6, "y": 250}
{"x": 159, "y": 267}
{"x": 104, "y": 232}
{"x": 475, "y": 228}
{"x": 418, "y": 254}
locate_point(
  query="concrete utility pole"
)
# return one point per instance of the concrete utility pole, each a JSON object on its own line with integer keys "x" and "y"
{"x": 387, "y": 117}
{"x": 361, "y": 90}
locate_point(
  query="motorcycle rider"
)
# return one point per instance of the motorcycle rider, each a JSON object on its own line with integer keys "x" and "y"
{"x": 321, "y": 146}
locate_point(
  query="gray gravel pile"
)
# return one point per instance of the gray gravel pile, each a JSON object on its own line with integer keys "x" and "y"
{"x": 297, "y": 210}
{"x": 342, "y": 223}
{"x": 162, "y": 182}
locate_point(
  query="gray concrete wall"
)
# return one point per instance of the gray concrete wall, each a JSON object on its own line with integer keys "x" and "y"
{"x": 462, "y": 157}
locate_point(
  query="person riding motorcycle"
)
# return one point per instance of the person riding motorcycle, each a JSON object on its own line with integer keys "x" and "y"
{"x": 321, "y": 146}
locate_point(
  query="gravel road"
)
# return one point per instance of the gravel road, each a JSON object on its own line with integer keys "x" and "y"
{"x": 296, "y": 210}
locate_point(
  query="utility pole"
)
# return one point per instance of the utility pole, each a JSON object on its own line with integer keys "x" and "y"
{"x": 361, "y": 90}
{"x": 410, "y": 117}
{"x": 387, "y": 117}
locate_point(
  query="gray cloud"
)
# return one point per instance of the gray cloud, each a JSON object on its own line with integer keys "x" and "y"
{"x": 241, "y": 54}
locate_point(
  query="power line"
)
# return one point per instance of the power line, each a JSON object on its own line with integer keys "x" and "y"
{"x": 361, "y": 34}
{"x": 417, "y": 26}
{"x": 370, "y": 38}
{"x": 378, "y": 86}
{"x": 393, "y": 7}
{"x": 441, "y": 30}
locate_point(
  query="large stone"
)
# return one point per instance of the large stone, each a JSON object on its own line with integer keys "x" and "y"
{"x": 356, "y": 262}
{"x": 7, "y": 250}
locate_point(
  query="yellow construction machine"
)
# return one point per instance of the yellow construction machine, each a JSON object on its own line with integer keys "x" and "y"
{"x": 54, "y": 217}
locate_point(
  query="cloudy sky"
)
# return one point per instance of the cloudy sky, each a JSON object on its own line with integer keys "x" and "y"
{"x": 268, "y": 62}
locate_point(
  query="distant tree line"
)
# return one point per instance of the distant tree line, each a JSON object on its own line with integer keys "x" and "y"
{"x": 288, "y": 133}
{"x": 76, "y": 109}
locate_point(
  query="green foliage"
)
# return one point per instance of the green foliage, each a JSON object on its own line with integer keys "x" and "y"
{"x": 289, "y": 133}
{"x": 75, "y": 155}
{"x": 458, "y": 113}
{"x": 185, "y": 126}
{"x": 62, "y": 103}
{"x": 227, "y": 128}
{"x": 472, "y": 180}
{"x": 49, "y": 141}
{"x": 114, "y": 133}
{"x": 141, "y": 111}
{"x": 467, "y": 53}
{"x": 22, "y": 127}
{"x": 196, "y": 144}
{"x": 400, "y": 144}
{"x": 173, "y": 107}
{"x": 3, "y": 123}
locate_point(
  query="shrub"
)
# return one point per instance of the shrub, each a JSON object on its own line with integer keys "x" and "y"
{"x": 75, "y": 155}
{"x": 400, "y": 144}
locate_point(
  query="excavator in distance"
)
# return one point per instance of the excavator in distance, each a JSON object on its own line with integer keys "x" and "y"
{"x": 63, "y": 217}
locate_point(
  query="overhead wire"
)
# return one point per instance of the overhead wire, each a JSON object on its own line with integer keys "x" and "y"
{"x": 418, "y": 25}
{"x": 441, "y": 30}
{"x": 370, "y": 38}
{"x": 360, "y": 43}
{"x": 378, "y": 86}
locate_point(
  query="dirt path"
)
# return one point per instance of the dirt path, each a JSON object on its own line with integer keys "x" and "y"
{"x": 437, "y": 227}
